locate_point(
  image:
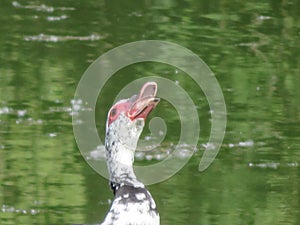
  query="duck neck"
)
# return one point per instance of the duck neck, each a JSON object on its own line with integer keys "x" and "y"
{"x": 120, "y": 160}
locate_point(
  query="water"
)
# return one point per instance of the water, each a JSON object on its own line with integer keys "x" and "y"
{"x": 253, "y": 49}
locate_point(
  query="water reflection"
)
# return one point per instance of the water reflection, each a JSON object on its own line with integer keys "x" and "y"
{"x": 251, "y": 47}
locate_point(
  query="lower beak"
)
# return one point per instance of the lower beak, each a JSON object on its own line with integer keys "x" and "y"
{"x": 145, "y": 102}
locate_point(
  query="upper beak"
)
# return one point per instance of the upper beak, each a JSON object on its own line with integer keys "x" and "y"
{"x": 144, "y": 102}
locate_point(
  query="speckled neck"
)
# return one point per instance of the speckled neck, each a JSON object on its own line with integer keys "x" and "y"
{"x": 120, "y": 143}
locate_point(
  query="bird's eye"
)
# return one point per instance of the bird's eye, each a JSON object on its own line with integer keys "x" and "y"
{"x": 113, "y": 112}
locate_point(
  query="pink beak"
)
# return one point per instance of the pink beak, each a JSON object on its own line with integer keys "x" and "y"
{"x": 145, "y": 102}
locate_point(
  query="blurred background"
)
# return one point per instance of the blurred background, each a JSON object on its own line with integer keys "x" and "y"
{"x": 253, "y": 49}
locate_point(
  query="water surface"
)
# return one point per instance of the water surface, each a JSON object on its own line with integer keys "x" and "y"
{"x": 253, "y": 49}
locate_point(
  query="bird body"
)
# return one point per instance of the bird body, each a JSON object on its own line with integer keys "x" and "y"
{"x": 134, "y": 206}
{"x": 133, "y": 203}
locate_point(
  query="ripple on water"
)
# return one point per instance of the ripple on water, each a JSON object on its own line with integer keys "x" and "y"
{"x": 22, "y": 116}
{"x": 182, "y": 152}
{"x": 11, "y": 209}
{"x": 272, "y": 165}
{"x": 248, "y": 143}
{"x": 56, "y": 18}
{"x": 56, "y": 38}
{"x": 41, "y": 7}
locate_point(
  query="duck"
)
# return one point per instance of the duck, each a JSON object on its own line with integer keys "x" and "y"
{"x": 133, "y": 204}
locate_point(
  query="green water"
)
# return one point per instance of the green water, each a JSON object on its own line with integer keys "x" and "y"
{"x": 253, "y": 49}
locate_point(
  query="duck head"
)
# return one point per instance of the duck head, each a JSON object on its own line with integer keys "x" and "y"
{"x": 125, "y": 122}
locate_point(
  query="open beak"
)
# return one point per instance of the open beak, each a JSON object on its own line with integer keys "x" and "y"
{"x": 145, "y": 102}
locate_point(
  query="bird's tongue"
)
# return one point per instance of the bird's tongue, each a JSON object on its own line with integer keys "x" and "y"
{"x": 145, "y": 102}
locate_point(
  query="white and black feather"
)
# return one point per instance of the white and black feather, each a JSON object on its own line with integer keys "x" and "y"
{"x": 133, "y": 203}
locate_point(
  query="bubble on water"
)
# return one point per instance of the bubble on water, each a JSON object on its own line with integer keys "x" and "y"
{"x": 34, "y": 211}
{"x": 21, "y": 113}
{"x": 183, "y": 153}
{"x": 5, "y": 110}
{"x": 11, "y": 209}
{"x": 270, "y": 165}
{"x": 57, "y": 18}
{"x": 248, "y": 143}
{"x": 98, "y": 153}
{"x": 52, "y": 135}
{"x": 161, "y": 133}
{"x": 148, "y": 157}
{"x": 209, "y": 146}
{"x": 292, "y": 164}
{"x": 139, "y": 155}
{"x": 160, "y": 157}
{"x": 262, "y": 18}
